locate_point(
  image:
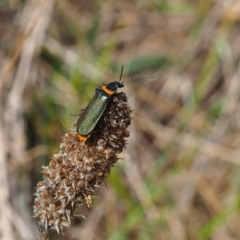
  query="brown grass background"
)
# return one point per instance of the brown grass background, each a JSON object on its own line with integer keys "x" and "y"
{"x": 180, "y": 177}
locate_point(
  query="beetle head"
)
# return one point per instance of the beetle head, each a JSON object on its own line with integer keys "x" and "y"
{"x": 113, "y": 86}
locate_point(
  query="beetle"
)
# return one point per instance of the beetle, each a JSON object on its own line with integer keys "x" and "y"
{"x": 95, "y": 108}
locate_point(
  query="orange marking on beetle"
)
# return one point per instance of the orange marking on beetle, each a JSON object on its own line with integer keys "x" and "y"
{"x": 109, "y": 92}
{"x": 82, "y": 138}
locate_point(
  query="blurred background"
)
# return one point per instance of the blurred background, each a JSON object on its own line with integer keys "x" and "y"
{"x": 180, "y": 177}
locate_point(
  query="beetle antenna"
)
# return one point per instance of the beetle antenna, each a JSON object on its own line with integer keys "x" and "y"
{"x": 121, "y": 73}
{"x": 139, "y": 76}
{"x": 131, "y": 78}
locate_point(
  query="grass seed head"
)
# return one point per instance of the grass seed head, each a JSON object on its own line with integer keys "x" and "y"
{"x": 78, "y": 169}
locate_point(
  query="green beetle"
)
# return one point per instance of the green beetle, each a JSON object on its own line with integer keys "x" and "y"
{"x": 94, "y": 110}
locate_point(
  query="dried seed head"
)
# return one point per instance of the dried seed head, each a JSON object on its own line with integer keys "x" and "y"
{"x": 79, "y": 168}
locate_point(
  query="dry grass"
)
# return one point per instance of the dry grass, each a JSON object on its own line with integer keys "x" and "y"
{"x": 180, "y": 177}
